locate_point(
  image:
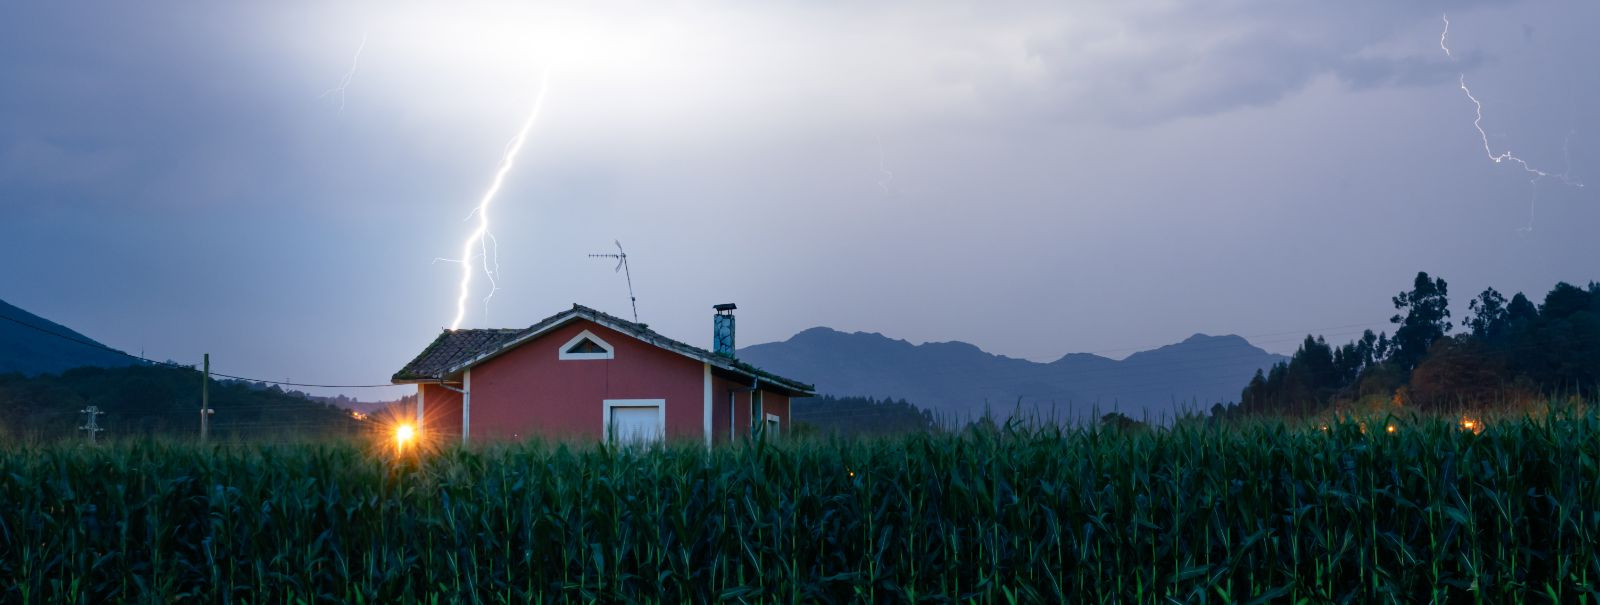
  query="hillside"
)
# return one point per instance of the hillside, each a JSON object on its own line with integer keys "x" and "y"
{"x": 956, "y": 380}
{"x": 46, "y": 379}
{"x": 160, "y": 400}
{"x": 30, "y": 351}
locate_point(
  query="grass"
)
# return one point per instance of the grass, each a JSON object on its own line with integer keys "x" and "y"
{"x": 1251, "y": 512}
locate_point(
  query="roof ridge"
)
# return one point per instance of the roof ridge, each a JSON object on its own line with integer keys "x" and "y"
{"x": 471, "y": 346}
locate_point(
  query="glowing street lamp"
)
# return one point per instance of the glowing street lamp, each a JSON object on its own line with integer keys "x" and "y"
{"x": 402, "y": 434}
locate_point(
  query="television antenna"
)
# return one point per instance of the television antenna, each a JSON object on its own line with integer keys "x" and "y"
{"x": 622, "y": 265}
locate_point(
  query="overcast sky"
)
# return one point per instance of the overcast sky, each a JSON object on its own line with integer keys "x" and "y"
{"x": 1037, "y": 179}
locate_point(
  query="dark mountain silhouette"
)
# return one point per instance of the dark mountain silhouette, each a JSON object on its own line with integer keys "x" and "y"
{"x": 26, "y": 348}
{"x": 958, "y": 381}
{"x": 48, "y": 373}
{"x": 150, "y": 400}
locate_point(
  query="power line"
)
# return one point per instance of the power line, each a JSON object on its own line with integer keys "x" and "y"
{"x": 297, "y": 384}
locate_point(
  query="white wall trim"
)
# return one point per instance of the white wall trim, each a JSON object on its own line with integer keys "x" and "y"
{"x": 708, "y": 428}
{"x": 421, "y": 388}
{"x": 563, "y": 355}
{"x": 758, "y": 407}
{"x": 659, "y": 404}
{"x": 466, "y": 406}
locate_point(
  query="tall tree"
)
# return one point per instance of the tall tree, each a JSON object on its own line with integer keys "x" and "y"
{"x": 1489, "y": 315}
{"x": 1521, "y": 309}
{"x": 1563, "y": 301}
{"x": 1459, "y": 372}
{"x": 1426, "y": 319}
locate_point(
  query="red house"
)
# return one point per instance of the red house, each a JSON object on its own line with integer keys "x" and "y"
{"x": 583, "y": 374}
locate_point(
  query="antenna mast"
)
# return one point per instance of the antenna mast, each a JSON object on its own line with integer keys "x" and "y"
{"x": 622, "y": 265}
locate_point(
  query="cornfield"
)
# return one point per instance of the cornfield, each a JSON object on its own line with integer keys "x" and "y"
{"x": 1249, "y": 512}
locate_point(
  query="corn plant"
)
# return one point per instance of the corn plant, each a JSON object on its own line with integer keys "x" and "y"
{"x": 1196, "y": 512}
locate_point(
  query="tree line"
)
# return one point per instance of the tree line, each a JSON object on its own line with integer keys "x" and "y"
{"x": 854, "y": 416}
{"x": 1505, "y": 351}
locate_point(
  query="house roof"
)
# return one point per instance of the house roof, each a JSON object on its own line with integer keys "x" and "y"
{"x": 456, "y": 350}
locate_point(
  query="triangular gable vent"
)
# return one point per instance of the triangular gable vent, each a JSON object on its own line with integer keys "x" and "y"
{"x": 585, "y": 346}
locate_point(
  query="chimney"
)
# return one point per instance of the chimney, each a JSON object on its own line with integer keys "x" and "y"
{"x": 722, "y": 330}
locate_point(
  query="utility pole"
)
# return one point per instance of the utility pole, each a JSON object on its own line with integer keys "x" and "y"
{"x": 91, "y": 422}
{"x": 205, "y": 399}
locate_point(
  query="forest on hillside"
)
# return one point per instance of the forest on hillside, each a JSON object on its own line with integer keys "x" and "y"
{"x": 1504, "y": 353}
{"x": 858, "y": 416}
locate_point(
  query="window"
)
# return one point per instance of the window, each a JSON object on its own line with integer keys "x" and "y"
{"x": 772, "y": 425}
{"x": 585, "y": 346}
{"x": 635, "y": 421}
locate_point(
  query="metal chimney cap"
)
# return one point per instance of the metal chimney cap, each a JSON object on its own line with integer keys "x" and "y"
{"x": 725, "y": 307}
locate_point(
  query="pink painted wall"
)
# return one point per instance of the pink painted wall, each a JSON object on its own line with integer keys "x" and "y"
{"x": 530, "y": 392}
{"x": 720, "y": 387}
{"x": 441, "y": 413}
{"x": 774, "y": 403}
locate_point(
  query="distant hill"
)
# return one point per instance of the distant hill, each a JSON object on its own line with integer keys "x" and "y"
{"x": 162, "y": 400}
{"x": 45, "y": 380}
{"x": 957, "y": 381}
{"x": 31, "y": 352}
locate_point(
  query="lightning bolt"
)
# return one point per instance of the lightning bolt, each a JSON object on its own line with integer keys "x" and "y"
{"x": 1444, "y": 35}
{"x": 480, "y": 237}
{"x": 1487, "y": 150}
{"x": 344, "y": 82}
{"x": 1534, "y": 174}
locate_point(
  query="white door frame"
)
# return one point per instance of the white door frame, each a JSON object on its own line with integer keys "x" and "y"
{"x": 659, "y": 404}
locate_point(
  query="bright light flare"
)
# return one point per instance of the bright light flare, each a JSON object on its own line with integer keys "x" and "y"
{"x": 404, "y": 434}
{"x": 480, "y": 236}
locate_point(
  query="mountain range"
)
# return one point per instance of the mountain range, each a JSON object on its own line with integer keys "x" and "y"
{"x": 26, "y": 347}
{"x": 958, "y": 381}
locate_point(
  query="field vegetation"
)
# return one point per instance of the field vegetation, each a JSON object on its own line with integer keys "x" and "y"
{"x": 1504, "y": 510}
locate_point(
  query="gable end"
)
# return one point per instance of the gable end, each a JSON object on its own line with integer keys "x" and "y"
{"x": 585, "y": 346}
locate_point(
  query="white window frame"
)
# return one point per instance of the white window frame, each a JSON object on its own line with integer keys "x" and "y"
{"x": 659, "y": 404}
{"x": 563, "y": 355}
{"x": 774, "y": 424}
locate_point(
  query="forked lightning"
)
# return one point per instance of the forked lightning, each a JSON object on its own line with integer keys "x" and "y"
{"x": 1535, "y": 174}
{"x": 481, "y": 238}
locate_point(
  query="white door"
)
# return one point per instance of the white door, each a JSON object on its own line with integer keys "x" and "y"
{"x": 635, "y": 423}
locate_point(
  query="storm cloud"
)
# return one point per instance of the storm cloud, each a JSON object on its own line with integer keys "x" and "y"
{"x": 1082, "y": 176}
